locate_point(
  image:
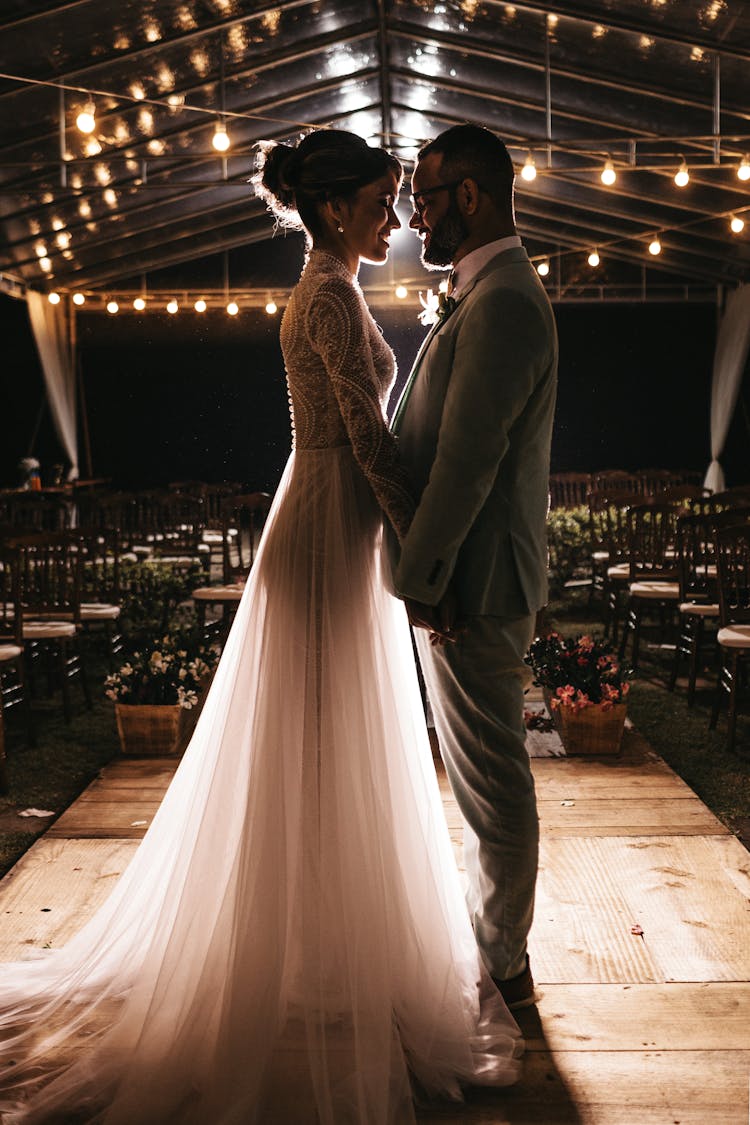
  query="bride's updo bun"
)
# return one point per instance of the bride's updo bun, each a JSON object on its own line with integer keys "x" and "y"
{"x": 327, "y": 164}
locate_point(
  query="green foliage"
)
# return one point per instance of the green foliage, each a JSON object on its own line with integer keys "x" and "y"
{"x": 568, "y": 539}
{"x": 153, "y": 592}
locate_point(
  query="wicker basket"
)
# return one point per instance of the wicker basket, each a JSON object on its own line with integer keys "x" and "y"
{"x": 592, "y": 730}
{"x": 148, "y": 730}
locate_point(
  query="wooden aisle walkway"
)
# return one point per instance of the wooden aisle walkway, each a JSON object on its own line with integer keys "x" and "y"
{"x": 631, "y": 1028}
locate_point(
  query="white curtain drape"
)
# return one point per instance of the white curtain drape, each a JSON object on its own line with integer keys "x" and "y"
{"x": 54, "y": 333}
{"x": 732, "y": 347}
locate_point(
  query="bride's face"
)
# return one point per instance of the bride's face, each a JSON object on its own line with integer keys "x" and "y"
{"x": 371, "y": 218}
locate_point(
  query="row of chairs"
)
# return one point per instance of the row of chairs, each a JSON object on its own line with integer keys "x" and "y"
{"x": 57, "y": 586}
{"x": 691, "y": 565}
{"x": 572, "y": 490}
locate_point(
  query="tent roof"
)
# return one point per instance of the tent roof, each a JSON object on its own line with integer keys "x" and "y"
{"x": 646, "y": 83}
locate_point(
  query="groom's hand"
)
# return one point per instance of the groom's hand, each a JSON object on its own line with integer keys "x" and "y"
{"x": 440, "y": 619}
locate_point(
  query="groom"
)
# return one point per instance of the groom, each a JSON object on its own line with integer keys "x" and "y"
{"x": 474, "y": 425}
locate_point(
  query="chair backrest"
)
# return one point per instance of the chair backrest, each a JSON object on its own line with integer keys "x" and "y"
{"x": 50, "y": 565}
{"x": 241, "y": 518}
{"x": 100, "y": 576}
{"x": 733, "y": 568}
{"x": 652, "y": 534}
{"x": 569, "y": 490}
{"x": 696, "y": 559}
{"x": 618, "y": 480}
{"x": 11, "y": 617}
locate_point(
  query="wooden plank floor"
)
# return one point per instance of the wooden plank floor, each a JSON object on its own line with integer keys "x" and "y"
{"x": 645, "y": 1028}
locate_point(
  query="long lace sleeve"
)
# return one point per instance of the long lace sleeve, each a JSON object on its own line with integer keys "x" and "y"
{"x": 337, "y": 332}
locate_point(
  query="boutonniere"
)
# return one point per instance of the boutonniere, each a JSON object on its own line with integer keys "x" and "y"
{"x": 436, "y": 307}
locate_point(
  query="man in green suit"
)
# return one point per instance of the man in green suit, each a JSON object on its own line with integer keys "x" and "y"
{"x": 474, "y": 426}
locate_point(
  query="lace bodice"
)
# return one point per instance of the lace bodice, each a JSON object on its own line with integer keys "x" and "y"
{"x": 339, "y": 373}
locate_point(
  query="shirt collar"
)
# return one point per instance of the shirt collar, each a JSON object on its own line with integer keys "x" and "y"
{"x": 469, "y": 267}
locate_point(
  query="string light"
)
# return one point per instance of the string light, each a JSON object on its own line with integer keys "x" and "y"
{"x": 402, "y": 292}
{"x": 53, "y": 298}
{"x": 594, "y": 259}
{"x": 272, "y": 308}
{"x": 743, "y": 172}
{"x": 139, "y": 304}
{"x": 200, "y": 305}
{"x": 86, "y": 119}
{"x": 608, "y": 175}
{"x": 736, "y": 224}
{"x": 528, "y": 172}
{"x": 79, "y": 299}
{"x": 682, "y": 176}
{"x": 654, "y": 246}
{"x": 543, "y": 268}
{"x": 233, "y": 308}
{"x": 220, "y": 140}
{"x": 113, "y": 307}
{"x": 172, "y": 307}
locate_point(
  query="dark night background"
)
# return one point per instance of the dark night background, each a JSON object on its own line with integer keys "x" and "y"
{"x": 203, "y": 397}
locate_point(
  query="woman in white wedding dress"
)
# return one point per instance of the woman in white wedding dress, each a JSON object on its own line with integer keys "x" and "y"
{"x": 290, "y": 942}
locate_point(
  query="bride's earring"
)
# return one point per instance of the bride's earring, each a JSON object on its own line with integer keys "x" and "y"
{"x": 340, "y": 229}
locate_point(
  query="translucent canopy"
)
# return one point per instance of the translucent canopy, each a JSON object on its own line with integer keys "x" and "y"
{"x": 652, "y": 86}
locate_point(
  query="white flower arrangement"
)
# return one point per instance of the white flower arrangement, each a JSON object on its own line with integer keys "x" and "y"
{"x": 435, "y": 307}
{"x": 168, "y": 673}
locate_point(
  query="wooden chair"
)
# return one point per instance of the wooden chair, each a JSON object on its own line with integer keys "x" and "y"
{"x": 733, "y": 637}
{"x": 13, "y": 690}
{"x": 48, "y": 600}
{"x": 569, "y": 490}
{"x": 101, "y": 594}
{"x": 617, "y": 480}
{"x": 609, "y": 561}
{"x": 698, "y": 603}
{"x": 652, "y": 532}
{"x": 241, "y": 515}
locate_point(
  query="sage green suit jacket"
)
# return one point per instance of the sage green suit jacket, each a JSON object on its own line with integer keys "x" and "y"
{"x": 474, "y": 426}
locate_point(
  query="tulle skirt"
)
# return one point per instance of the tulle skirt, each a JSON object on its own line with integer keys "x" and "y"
{"x": 290, "y": 941}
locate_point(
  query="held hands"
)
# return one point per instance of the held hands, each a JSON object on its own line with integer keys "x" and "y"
{"x": 441, "y": 620}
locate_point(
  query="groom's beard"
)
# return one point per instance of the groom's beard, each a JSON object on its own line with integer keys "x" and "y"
{"x": 446, "y": 237}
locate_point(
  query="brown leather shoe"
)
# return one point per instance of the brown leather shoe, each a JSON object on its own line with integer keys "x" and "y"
{"x": 518, "y": 991}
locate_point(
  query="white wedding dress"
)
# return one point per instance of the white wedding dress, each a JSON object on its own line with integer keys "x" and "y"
{"x": 290, "y": 942}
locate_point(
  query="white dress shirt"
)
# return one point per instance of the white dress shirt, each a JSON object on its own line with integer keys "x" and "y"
{"x": 470, "y": 266}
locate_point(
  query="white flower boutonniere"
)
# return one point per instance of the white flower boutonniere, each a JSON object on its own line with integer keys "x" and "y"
{"x": 435, "y": 307}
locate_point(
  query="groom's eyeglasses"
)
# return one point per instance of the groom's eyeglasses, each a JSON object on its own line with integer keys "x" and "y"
{"x": 419, "y": 198}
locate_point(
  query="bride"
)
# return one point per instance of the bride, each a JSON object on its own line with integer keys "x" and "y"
{"x": 290, "y": 941}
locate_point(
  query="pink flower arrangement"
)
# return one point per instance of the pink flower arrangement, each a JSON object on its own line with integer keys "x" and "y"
{"x": 579, "y": 672}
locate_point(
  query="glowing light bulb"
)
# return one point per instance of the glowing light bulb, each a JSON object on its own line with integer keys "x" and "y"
{"x": 172, "y": 307}
{"x": 272, "y": 308}
{"x": 113, "y": 307}
{"x": 86, "y": 120}
{"x": 594, "y": 259}
{"x": 45, "y": 264}
{"x": 79, "y": 299}
{"x": 743, "y": 172}
{"x": 200, "y": 305}
{"x": 736, "y": 224}
{"x": 608, "y": 175}
{"x": 682, "y": 176}
{"x": 654, "y": 246}
{"x": 220, "y": 139}
{"x": 543, "y": 268}
{"x": 402, "y": 292}
{"x": 233, "y": 308}
{"x": 53, "y": 298}
{"x": 139, "y": 304}
{"x": 528, "y": 172}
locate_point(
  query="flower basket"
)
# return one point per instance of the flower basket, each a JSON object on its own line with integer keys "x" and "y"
{"x": 592, "y": 730}
{"x": 148, "y": 730}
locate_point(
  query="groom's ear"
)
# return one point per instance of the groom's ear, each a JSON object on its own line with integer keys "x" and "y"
{"x": 467, "y": 194}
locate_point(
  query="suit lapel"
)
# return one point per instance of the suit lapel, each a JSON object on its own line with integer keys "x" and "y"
{"x": 403, "y": 400}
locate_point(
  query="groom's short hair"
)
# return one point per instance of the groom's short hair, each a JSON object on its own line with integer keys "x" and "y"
{"x": 474, "y": 152}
